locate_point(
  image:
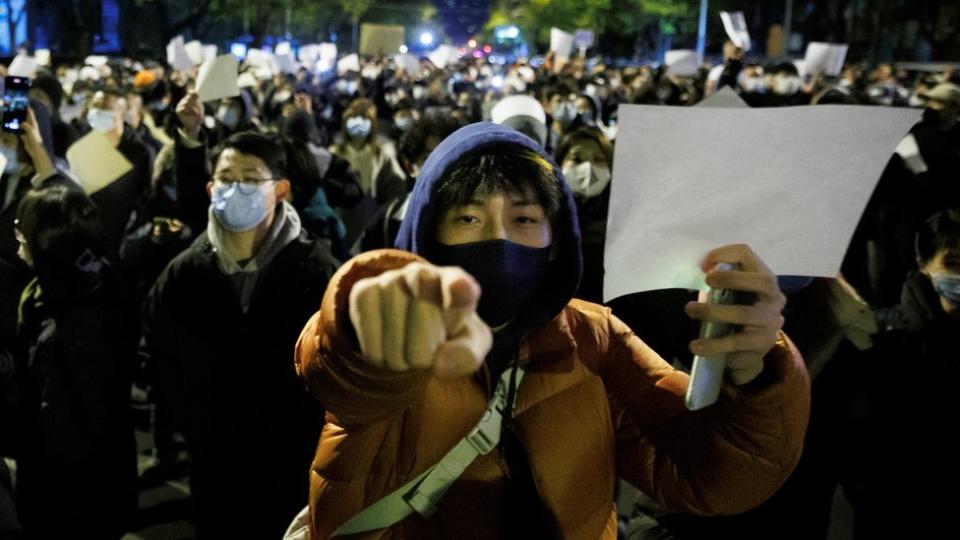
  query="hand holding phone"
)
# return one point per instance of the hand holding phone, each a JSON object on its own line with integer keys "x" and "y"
{"x": 741, "y": 322}
{"x": 706, "y": 378}
{"x": 15, "y": 103}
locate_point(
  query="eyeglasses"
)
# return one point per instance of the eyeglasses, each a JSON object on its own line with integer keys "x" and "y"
{"x": 247, "y": 186}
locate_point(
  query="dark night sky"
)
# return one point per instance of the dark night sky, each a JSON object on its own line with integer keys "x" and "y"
{"x": 461, "y": 19}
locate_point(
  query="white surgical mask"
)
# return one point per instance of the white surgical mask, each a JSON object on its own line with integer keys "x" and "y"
{"x": 787, "y": 86}
{"x": 101, "y": 120}
{"x": 228, "y": 116}
{"x": 586, "y": 179}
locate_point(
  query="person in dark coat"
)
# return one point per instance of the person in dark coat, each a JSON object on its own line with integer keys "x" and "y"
{"x": 220, "y": 324}
{"x": 29, "y": 165}
{"x": 74, "y": 445}
{"x": 917, "y": 343}
{"x": 126, "y": 194}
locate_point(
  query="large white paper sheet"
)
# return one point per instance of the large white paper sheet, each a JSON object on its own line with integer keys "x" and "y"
{"x": 217, "y": 78}
{"x": 258, "y": 58}
{"x": 350, "y": 62}
{"x": 23, "y": 66}
{"x": 735, "y": 25}
{"x": 408, "y": 63}
{"x": 177, "y": 55}
{"x": 308, "y": 54}
{"x": 286, "y": 63}
{"x": 381, "y": 39}
{"x": 682, "y": 62}
{"x": 95, "y": 162}
{"x": 96, "y": 60}
{"x": 443, "y": 55}
{"x": 561, "y": 43}
{"x": 195, "y": 51}
{"x": 824, "y": 57}
{"x": 43, "y": 57}
{"x": 210, "y": 52}
{"x": 724, "y": 98}
{"x": 690, "y": 179}
{"x": 282, "y": 48}
{"x": 328, "y": 51}
{"x": 246, "y": 80}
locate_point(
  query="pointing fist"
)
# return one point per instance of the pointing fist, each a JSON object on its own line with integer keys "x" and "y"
{"x": 421, "y": 316}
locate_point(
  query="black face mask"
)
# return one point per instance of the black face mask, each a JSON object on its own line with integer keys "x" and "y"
{"x": 931, "y": 116}
{"x": 508, "y": 273}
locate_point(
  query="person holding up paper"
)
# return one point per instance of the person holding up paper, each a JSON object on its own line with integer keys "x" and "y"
{"x": 125, "y": 194}
{"x": 75, "y": 341}
{"x": 459, "y": 371}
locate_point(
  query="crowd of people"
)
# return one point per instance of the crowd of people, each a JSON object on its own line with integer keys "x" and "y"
{"x": 240, "y": 275}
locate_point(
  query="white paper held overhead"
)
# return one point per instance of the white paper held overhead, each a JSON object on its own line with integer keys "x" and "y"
{"x": 217, "y": 78}
{"x": 561, "y": 43}
{"x": 735, "y": 24}
{"x": 682, "y": 62}
{"x": 95, "y": 162}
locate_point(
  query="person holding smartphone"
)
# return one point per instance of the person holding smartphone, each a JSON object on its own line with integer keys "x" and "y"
{"x": 414, "y": 350}
{"x": 27, "y": 165}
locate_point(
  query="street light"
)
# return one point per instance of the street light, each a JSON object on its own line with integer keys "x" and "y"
{"x": 426, "y": 39}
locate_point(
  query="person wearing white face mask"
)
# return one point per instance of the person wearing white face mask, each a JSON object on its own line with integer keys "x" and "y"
{"x": 220, "y": 323}
{"x": 785, "y": 88}
{"x": 370, "y": 155}
{"x": 586, "y": 156}
{"x": 119, "y": 199}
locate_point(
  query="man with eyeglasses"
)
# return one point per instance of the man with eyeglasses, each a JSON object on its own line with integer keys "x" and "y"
{"x": 220, "y": 325}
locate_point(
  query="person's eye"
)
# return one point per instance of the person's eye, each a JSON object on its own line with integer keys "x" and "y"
{"x": 466, "y": 219}
{"x": 528, "y": 220}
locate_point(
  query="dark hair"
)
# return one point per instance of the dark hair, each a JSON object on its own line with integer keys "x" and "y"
{"x": 50, "y": 86}
{"x": 499, "y": 167}
{"x": 362, "y": 107}
{"x": 562, "y": 88}
{"x": 584, "y": 133}
{"x": 267, "y": 148}
{"x": 305, "y": 177}
{"x": 413, "y": 144}
{"x": 62, "y": 227}
{"x": 939, "y": 231}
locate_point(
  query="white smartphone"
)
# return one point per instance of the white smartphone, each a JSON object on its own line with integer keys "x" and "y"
{"x": 706, "y": 378}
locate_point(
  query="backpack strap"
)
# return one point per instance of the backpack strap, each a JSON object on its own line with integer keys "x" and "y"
{"x": 423, "y": 493}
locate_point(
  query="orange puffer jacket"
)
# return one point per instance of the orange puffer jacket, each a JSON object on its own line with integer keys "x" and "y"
{"x": 596, "y": 403}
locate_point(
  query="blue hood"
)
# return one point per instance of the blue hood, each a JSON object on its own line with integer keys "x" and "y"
{"x": 563, "y": 274}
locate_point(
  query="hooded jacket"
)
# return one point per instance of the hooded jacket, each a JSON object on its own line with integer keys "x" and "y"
{"x": 596, "y": 403}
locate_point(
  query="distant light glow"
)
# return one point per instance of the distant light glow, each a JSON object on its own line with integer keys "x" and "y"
{"x": 472, "y": 43}
{"x": 478, "y": 54}
{"x": 426, "y": 38}
{"x": 508, "y": 32}
{"x": 239, "y": 50}
{"x": 497, "y": 81}
{"x": 487, "y": 49}
{"x": 403, "y": 49}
